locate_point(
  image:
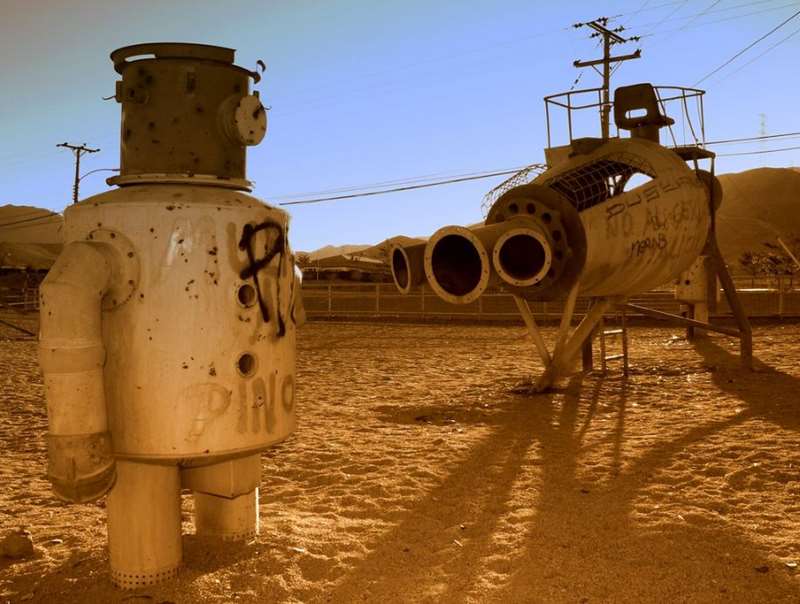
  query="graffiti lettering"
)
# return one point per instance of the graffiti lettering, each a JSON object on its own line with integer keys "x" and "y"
{"x": 649, "y": 243}
{"x": 256, "y": 264}
{"x": 615, "y": 209}
{"x": 655, "y": 220}
{"x": 651, "y": 193}
{"x": 260, "y": 402}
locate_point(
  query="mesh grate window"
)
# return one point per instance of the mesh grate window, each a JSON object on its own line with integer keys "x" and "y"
{"x": 598, "y": 181}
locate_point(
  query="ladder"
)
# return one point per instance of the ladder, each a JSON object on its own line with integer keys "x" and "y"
{"x": 621, "y": 332}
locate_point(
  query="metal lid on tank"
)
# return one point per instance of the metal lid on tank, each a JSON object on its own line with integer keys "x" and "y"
{"x": 187, "y": 115}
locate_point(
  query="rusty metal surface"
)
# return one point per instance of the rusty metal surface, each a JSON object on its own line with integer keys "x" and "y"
{"x": 186, "y": 111}
{"x": 644, "y": 237}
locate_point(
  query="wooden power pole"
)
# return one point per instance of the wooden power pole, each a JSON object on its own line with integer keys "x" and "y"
{"x": 78, "y": 150}
{"x": 610, "y": 37}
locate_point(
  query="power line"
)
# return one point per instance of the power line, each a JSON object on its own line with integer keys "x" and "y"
{"x": 396, "y": 182}
{"x": 757, "y": 57}
{"x": 482, "y": 175}
{"x": 399, "y": 189}
{"x": 745, "y": 49}
{"x": 758, "y": 152}
{"x": 700, "y": 14}
{"x": 753, "y": 138}
{"x": 703, "y": 13}
{"x": 658, "y": 24}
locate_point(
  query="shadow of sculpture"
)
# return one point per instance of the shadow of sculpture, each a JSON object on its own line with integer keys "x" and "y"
{"x": 567, "y": 538}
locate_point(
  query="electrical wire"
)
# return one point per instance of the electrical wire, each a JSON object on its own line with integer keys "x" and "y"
{"x": 406, "y": 186}
{"x": 757, "y": 57}
{"x": 700, "y": 14}
{"x": 758, "y": 152}
{"x": 746, "y": 48}
{"x": 396, "y": 182}
{"x": 706, "y": 12}
{"x": 399, "y": 189}
{"x": 664, "y": 20}
{"x": 753, "y": 138}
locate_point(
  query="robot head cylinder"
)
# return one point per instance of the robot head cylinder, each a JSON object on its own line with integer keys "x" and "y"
{"x": 186, "y": 112}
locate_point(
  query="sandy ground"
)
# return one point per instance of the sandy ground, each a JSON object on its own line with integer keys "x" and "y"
{"x": 420, "y": 473}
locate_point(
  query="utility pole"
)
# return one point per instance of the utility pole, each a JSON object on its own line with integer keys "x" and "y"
{"x": 610, "y": 37}
{"x": 78, "y": 150}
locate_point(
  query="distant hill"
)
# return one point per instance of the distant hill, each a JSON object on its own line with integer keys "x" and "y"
{"x": 335, "y": 250}
{"x": 29, "y": 237}
{"x": 378, "y": 251}
{"x": 758, "y": 206}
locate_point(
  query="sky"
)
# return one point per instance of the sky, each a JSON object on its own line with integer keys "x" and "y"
{"x": 363, "y": 92}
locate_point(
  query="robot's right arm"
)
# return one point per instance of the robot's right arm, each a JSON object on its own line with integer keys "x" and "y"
{"x": 80, "y": 457}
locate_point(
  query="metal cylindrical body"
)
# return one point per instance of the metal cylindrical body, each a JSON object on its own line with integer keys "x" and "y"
{"x": 408, "y": 266}
{"x": 645, "y": 236}
{"x": 460, "y": 263}
{"x": 635, "y": 237}
{"x": 200, "y": 339}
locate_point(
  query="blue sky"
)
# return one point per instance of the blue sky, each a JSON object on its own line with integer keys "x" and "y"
{"x": 365, "y": 92}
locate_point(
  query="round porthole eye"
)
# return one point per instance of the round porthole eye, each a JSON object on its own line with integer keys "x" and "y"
{"x": 246, "y": 364}
{"x": 246, "y": 294}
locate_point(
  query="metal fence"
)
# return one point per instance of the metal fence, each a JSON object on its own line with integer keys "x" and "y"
{"x": 24, "y": 299}
{"x": 341, "y": 300}
{"x": 760, "y": 296}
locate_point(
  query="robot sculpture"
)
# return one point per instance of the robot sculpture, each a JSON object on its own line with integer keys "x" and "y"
{"x": 168, "y": 322}
{"x": 610, "y": 217}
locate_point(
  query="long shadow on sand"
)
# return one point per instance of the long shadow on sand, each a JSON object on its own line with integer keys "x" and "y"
{"x": 474, "y": 538}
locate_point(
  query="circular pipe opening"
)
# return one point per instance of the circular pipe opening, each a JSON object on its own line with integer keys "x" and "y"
{"x": 246, "y": 364}
{"x": 456, "y": 265}
{"x": 522, "y": 257}
{"x": 400, "y": 271}
{"x": 246, "y": 294}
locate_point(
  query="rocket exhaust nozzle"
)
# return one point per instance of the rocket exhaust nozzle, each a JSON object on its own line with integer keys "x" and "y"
{"x": 457, "y": 265}
{"x": 461, "y": 262}
{"x": 522, "y": 256}
{"x": 408, "y": 266}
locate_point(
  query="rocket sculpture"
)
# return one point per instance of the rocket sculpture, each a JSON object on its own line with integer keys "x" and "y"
{"x": 168, "y": 322}
{"x": 609, "y": 218}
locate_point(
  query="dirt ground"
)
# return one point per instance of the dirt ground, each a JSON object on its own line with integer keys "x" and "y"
{"x": 420, "y": 472}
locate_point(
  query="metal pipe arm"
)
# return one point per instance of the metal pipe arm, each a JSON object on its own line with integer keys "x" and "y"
{"x": 71, "y": 353}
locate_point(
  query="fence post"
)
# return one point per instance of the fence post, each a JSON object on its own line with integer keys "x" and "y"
{"x": 780, "y": 296}
{"x": 378, "y": 298}
{"x": 330, "y": 299}
{"x": 422, "y": 300}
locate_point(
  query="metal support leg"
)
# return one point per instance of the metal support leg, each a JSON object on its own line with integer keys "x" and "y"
{"x": 745, "y": 332}
{"x": 144, "y": 524}
{"x": 226, "y": 497}
{"x": 573, "y": 344}
{"x": 533, "y": 329}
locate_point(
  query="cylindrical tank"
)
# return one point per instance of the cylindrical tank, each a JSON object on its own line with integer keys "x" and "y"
{"x": 199, "y": 351}
{"x": 174, "y": 306}
{"x": 637, "y": 237}
{"x": 624, "y": 217}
